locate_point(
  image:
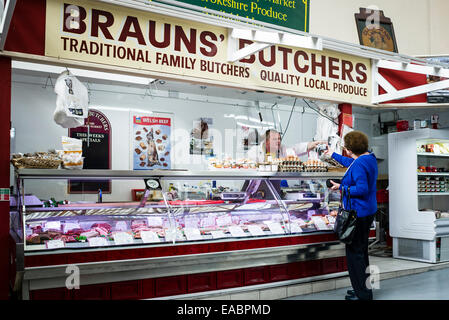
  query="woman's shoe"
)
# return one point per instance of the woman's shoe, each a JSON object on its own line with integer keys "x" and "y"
{"x": 350, "y": 297}
{"x": 351, "y": 292}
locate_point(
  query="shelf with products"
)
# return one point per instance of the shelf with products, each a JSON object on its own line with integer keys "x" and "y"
{"x": 419, "y": 189}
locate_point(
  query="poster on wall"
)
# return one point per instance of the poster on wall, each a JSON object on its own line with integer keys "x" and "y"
{"x": 151, "y": 142}
{"x": 249, "y": 137}
{"x": 96, "y": 137}
{"x": 437, "y": 96}
{"x": 201, "y": 139}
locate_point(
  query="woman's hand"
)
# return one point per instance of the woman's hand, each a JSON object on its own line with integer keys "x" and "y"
{"x": 328, "y": 153}
{"x": 335, "y": 186}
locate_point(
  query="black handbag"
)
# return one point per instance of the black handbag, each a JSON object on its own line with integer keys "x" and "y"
{"x": 345, "y": 222}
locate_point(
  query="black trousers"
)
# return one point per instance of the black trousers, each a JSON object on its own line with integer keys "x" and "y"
{"x": 357, "y": 258}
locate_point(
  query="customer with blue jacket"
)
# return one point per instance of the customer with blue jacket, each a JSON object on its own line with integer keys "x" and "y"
{"x": 359, "y": 182}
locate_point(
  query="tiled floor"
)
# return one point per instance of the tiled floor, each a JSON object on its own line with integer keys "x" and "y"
{"x": 400, "y": 280}
{"x": 430, "y": 285}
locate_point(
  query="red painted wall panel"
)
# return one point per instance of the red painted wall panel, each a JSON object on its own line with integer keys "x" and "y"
{"x": 201, "y": 282}
{"x": 278, "y": 273}
{"x": 404, "y": 80}
{"x": 229, "y": 279}
{"x": 148, "y": 288}
{"x": 92, "y": 292}
{"x": 27, "y": 30}
{"x": 50, "y": 294}
{"x": 129, "y": 290}
{"x": 5, "y": 125}
{"x": 169, "y": 286}
{"x": 256, "y": 275}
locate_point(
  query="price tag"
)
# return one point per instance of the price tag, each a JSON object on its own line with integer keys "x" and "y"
{"x": 319, "y": 223}
{"x": 274, "y": 227}
{"x": 121, "y": 226}
{"x": 207, "y": 222}
{"x": 173, "y": 234}
{"x": 54, "y": 244}
{"x": 224, "y": 221}
{"x": 192, "y": 222}
{"x": 149, "y": 237}
{"x": 295, "y": 228}
{"x": 54, "y": 225}
{"x": 70, "y": 226}
{"x": 192, "y": 234}
{"x": 236, "y": 231}
{"x": 218, "y": 234}
{"x": 255, "y": 230}
{"x": 301, "y": 222}
{"x": 97, "y": 242}
{"x": 123, "y": 238}
{"x": 154, "y": 221}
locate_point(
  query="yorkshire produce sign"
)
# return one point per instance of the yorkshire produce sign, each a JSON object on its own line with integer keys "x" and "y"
{"x": 100, "y": 33}
{"x": 292, "y": 14}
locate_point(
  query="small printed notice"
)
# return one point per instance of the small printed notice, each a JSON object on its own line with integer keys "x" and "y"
{"x": 173, "y": 235}
{"x": 123, "y": 238}
{"x": 70, "y": 226}
{"x": 192, "y": 234}
{"x": 255, "y": 230}
{"x": 295, "y": 228}
{"x": 218, "y": 234}
{"x": 54, "y": 244}
{"x": 224, "y": 221}
{"x": 53, "y": 225}
{"x": 192, "y": 222}
{"x": 154, "y": 221}
{"x": 319, "y": 223}
{"x": 149, "y": 237}
{"x": 208, "y": 222}
{"x": 97, "y": 242}
{"x": 236, "y": 231}
{"x": 275, "y": 227}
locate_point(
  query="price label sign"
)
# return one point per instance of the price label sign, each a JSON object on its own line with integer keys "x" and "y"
{"x": 192, "y": 234}
{"x": 121, "y": 238}
{"x": 218, "y": 234}
{"x": 54, "y": 225}
{"x": 97, "y": 242}
{"x": 192, "y": 222}
{"x": 149, "y": 237}
{"x": 70, "y": 226}
{"x": 54, "y": 244}
{"x": 224, "y": 221}
{"x": 236, "y": 231}
{"x": 255, "y": 230}
{"x": 154, "y": 221}
{"x": 274, "y": 227}
{"x": 319, "y": 223}
{"x": 295, "y": 228}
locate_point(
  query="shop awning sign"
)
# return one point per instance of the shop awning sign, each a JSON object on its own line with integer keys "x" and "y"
{"x": 164, "y": 46}
{"x": 293, "y": 14}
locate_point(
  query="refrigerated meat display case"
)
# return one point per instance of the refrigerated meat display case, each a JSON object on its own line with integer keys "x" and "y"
{"x": 240, "y": 228}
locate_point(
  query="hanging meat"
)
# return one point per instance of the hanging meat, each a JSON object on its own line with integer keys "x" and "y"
{"x": 153, "y": 157}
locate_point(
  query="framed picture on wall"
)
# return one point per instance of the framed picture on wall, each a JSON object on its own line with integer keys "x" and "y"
{"x": 375, "y": 30}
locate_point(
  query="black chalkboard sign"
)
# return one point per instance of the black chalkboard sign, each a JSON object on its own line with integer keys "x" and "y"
{"x": 96, "y": 136}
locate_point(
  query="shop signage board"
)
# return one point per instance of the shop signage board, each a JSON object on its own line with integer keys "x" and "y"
{"x": 96, "y": 137}
{"x": 150, "y": 141}
{"x": 292, "y": 14}
{"x": 105, "y": 34}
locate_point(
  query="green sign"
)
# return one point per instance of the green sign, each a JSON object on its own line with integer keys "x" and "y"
{"x": 292, "y": 14}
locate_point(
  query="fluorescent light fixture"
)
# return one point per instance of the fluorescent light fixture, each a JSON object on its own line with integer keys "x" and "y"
{"x": 20, "y": 65}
